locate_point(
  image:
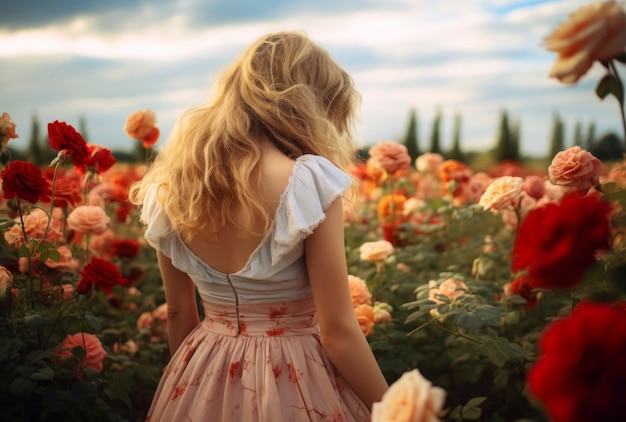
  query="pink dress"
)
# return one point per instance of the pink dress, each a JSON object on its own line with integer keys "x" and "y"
{"x": 257, "y": 354}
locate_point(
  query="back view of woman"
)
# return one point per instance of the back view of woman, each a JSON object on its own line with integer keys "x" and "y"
{"x": 244, "y": 204}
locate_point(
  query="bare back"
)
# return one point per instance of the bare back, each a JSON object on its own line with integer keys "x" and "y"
{"x": 230, "y": 253}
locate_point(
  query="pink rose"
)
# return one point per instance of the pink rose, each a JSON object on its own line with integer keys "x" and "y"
{"x": 594, "y": 32}
{"x": 450, "y": 288}
{"x": 390, "y": 156}
{"x": 359, "y": 292}
{"x": 68, "y": 291}
{"x": 88, "y": 219}
{"x": 6, "y": 280}
{"x": 376, "y": 251}
{"x": 575, "y": 169}
{"x": 428, "y": 162}
{"x": 94, "y": 352}
{"x": 412, "y": 398}
{"x": 502, "y": 193}
{"x": 534, "y": 186}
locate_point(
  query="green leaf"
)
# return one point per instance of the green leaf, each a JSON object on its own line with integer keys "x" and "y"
{"x": 22, "y": 387}
{"x": 471, "y": 413}
{"x": 44, "y": 373}
{"x": 609, "y": 84}
{"x": 475, "y": 401}
{"x": 480, "y": 316}
{"x": 51, "y": 254}
{"x": 93, "y": 321}
{"x": 500, "y": 350}
{"x": 34, "y": 319}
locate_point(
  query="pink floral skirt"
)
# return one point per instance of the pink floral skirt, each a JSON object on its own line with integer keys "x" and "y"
{"x": 265, "y": 365}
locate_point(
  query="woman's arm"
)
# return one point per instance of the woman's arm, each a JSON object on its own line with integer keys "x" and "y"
{"x": 341, "y": 335}
{"x": 180, "y": 295}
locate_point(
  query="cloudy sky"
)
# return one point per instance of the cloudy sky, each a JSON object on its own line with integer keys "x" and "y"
{"x": 102, "y": 60}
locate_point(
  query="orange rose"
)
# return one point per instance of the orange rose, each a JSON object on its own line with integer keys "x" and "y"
{"x": 140, "y": 125}
{"x": 504, "y": 192}
{"x": 454, "y": 170}
{"x": 390, "y": 205}
{"x": 411, "y": 398}
{"x": 575, "y": 168}
{"x": 594, "y": 32}
{"x": 94, "y": 352}
{"x": 376, "y": 251}
{"x": 88, "y": 219}
{"x": 359, "y": 292}
{"x": 365, "y": 317}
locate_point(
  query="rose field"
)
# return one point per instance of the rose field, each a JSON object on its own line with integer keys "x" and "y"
{"x": 488, "y": 290}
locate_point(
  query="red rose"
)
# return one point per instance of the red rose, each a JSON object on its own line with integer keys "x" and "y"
{"x": 128, "y": 248}
{"x": 99, "y": 160}
{"x": 24, "y": 180}
{"x": 556, "y": 243}
{"x": 580, "y": 374}
{"x": 103, "y": 274}
{"x": 63, "y": 136}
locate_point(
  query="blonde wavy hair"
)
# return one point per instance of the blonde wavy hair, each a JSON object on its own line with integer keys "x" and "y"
{"x": 284, "y": 88}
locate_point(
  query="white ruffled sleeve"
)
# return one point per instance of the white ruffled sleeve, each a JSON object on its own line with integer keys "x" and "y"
{"x": 314, "y": 184}
{"x": 158, "y": 232}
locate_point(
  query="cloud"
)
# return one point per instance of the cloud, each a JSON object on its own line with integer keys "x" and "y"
{"x": 103, "y": 60}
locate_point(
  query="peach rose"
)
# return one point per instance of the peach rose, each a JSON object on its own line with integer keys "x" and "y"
{"x": 145, "y": 321}
{"x": 593, "y": 32}
{"x": 502, "y": 193}
{"x": 160, "y": 314}
{"x": 450, "y": 288}
{"x": 412, "y": 398}
{"x": 390, "y": 156}
{"x": 88, "y": 219}
{"x": 365, "y": 317}
{"x": 575, "y": 169}
{"x": 359, "y": 292}
{"x": 376, "y": 251}
{"x": 7, "y": 129}
{"x": 94, "y": 352}
{"x": 428, "y": 162}
{"x": 140, "y": 125}
{"x": 66, "y": 261}
{"x": 6, "y": 280}
{"x": 101, "y": 244}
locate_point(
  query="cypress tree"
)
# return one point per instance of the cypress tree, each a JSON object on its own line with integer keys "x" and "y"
{"x": 503, "y": 143}
{"x": 82, "y": 127}
{"x": 410, "y": 138}
{"x": 514, "y": 141}
{"x": 591, "y": 136}
{"x": 34, "y": 154}
{"x": 435, "y": 135}
{"x": 578, "y": 134}
{"x": 455, "y": 151}
{"x": 557, "y": 141}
